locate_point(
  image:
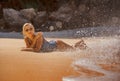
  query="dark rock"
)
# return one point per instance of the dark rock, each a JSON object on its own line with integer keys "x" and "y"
{"x": 0, "y": 11}
{"x": 59, "y": 24}
{"x": 79, "y": 17}
{"x": 113, "y": 21}
{"x": 2, "y": 24}
{"x": 82, "y": 8}
{"x": 51, "y": 26}
{"x": 40, "y": 18}
{"x": 13, "y": 19}
{"x": 64, "y": 13}
{"x": 28, "y": 13}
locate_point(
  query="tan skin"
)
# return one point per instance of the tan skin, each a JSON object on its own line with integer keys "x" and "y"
{"x": 34, "y": 42}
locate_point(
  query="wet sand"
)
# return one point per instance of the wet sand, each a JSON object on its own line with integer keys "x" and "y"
{"x": 17, "y": 65}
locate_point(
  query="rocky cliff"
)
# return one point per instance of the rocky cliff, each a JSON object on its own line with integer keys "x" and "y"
{"x": 55, "y": 15}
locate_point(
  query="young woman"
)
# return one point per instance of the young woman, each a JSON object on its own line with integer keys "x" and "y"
{"x": 36, "y": 42}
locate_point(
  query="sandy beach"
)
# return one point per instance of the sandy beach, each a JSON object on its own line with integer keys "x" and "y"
{"x": 97, "y": 22}
{"x": 17, "y": 65}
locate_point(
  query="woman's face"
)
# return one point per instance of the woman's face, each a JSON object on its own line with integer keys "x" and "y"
{"x": 29, "y": 30}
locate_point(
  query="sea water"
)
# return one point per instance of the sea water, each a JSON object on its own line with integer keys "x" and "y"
{"x": 104, "y": 50}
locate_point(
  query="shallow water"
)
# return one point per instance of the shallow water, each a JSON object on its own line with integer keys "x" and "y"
{"x": 99, "y": 62}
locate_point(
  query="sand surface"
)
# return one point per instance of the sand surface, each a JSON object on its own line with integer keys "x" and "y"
{"x": 17, "y": 65}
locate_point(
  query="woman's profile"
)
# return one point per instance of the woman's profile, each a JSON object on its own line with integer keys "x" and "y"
{"x": 37, "y": 43}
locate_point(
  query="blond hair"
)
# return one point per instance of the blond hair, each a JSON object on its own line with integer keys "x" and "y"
{"x": 24, "y": 26}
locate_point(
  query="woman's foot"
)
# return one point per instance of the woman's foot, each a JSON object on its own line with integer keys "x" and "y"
{"x": 80, "y": 44}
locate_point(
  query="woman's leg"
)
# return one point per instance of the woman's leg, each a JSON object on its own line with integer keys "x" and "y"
{"x": 62, "y": 46}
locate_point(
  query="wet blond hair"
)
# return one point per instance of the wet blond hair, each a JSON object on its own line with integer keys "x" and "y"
{"x": 24, "y": 26}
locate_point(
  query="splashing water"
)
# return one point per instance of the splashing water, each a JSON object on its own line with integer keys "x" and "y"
{"x": 101, "y": 57}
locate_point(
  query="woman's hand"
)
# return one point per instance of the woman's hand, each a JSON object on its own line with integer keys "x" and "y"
{"x": 39, "y": 34}
{"x": 36, "y": 43}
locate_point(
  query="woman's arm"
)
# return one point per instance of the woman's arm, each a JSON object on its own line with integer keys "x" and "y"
{"x": 38, "y": 43}
{"x": 27, "y": 42}
{"x": 28, "y": 45}
{"x": 35, "y": 45}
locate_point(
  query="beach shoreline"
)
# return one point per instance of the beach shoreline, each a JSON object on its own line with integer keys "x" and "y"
{"x": 17, "y": 65}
